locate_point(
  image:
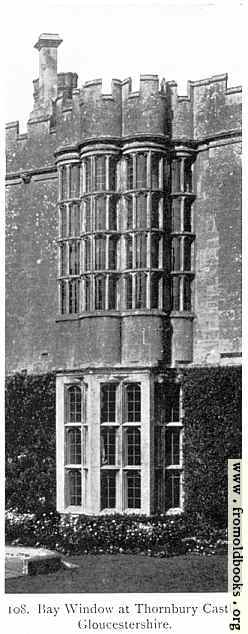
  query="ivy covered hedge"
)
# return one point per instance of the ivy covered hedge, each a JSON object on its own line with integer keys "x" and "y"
{"x": 212, "y": 434}
{"x": 30, "y": 442}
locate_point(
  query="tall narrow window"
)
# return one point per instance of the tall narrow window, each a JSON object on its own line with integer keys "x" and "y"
{"x": 100, "y": 173}
{"x": 74, "y": 220}
{"x": 63, "y": 258}
{"x": 74, "y": 290}
{"x": 108, "y": 490}
{"x": 155, "y": 212}
{"x": 73, "y": 487}
{"x": 175, "y": 175}
{"x": 130, "y": 174}
{"x": 74, "y": 181}
{"x": 140, "y": 290}
{"x": 63, "y": 298}
{"x": 187, "y": 176}
{"x": 108, "y": 403}
{"x": 112, "y": 173}
{"x": 64, "y": 182}
{"x": 175, "y": 287}
{"x": 155, "y": 171}
{"x": 187, "y": 253}
{"x": 141, "y": 251}
{"x": 74, "y": 257}
{"x": 112, "y": 252}
{"x": 176, "y": 254}
{"x": 112, "y": 294}
{"x": 133, "y": 489}
{"x": 73, "y": 446}
{"x": 112, "y": 214}
{"x": 87, "y": 254}
{"x": 100, "y": 284}
{"x": 129, "y": 252}
{"x": 141, "y": 211}
{"x": 132, "y": 446}
{"x": 87, "y": 215}
{"x": 88, "y": 180}
{"x": 100, "y": 253}
{"x": 187, "y": 225}
{"x": 141, "y": 170}
{"x": 108, "y": 446}
{"x": 187, "y": 293}
{"x": 133, "y": 400}
{"x": 100, "y": 213}
{"x": 176, "y": 215}
{"x": 155, "y": 240}
{"x": 129, "y": 213}
{"x": 63, "y": 221}
{"x": 74, "y": 405}
{"x": 129, "y": 291}
{"x": 155, "y": 291}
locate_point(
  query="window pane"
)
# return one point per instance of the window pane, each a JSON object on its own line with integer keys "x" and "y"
{"x": 112, "y": 298}
{"x": 129, "y": 222}
{"x": 155, "y": 171}
{"x": 133, "y": 395}
{"x": 73, "y": 446}
{"x": 175, "y": 293}
{"x": 141, "y": 170}
{"x": 129, "y": 291}
{"x": 108, "y": 402}
{"x": 100, "y": 213}
{"x": 108, "y": 446}
{"x": 187, "y": 176}
{"x": 186, "y": 293}
{"x": 87, "y": 294}
{"x": 187, "y": 254}
{"x": 133, "y": 482}
{"x": 187, "y": 215}
{"x": 129, "y": 252}
{"x": 167, "y": 401}
{"x": 74, "y": 258}
{"x": 112, "y": 173}
{"x": 141, "y": 251}
{"x": 74, "y": 181}
{"x": 140, "y": 290}
{"x": 73, "y": 405}
{"x": 141, "y": 211}
{"x": 155, "y": 291}
{"x": 175, "y": 175}
{"x": 100, "y": 173}
{"x": 172, "y": 489}
{"x": 112, "y": 253}
{"x": 87, "y": 215}
{"x": 112, "y": 215}
{"x": 155, "y": 212}
{"x": 88, "y": 174}
{"x": 130, "y": 183}
{"x": 100, "y": 253}
{"x": 63, "y": 259}
{"x": 63, "y": 182}
{"x": 175, "y": 255}
{"x": 100, "y": 293}
{"x": 74, "y": 220}
{"x": 132, "y": 447}
{"x": 172, "y": 446}
{"x": 73, "y": 487}
{"x": 87, "y": 254}
{"x": 63, "y": 222}
{"x": 176, "y": 214}
{"x": 155, "y": 251}
{"x": 63, "y": 298}
{"x": 108, "y": 490}
{"x": 74, "y": 296}
{"x": 159, "y": 491}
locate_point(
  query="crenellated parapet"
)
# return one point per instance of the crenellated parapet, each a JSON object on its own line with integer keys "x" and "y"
{"x": 65, "y": 115}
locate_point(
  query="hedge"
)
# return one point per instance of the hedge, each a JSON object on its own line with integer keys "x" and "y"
{"x": 212, "y": 434}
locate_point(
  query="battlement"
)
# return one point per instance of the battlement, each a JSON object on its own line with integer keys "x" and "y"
{"x": 65, "y": 114}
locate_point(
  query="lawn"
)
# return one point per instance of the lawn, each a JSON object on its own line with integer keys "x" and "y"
{"x": 130, "y": 573}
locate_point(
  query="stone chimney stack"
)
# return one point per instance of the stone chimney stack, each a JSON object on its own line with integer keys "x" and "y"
{"x": 47, "y": 46}
{"x": 45, "y": 88}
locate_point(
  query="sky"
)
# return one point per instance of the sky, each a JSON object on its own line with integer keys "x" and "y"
{"x": 175, "y": 39}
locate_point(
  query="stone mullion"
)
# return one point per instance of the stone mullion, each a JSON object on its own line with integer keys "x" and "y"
{"x": 134, "y": 171}
{"x": 182, "y": 168}
{"x": 107, "y": 172}
{"x": 148, "y": 168}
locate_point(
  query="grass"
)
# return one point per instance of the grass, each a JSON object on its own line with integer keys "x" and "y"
{"x": 130, "y": 573}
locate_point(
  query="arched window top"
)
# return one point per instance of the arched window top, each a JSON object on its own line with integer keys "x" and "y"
{"x": 74, "y": 404}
